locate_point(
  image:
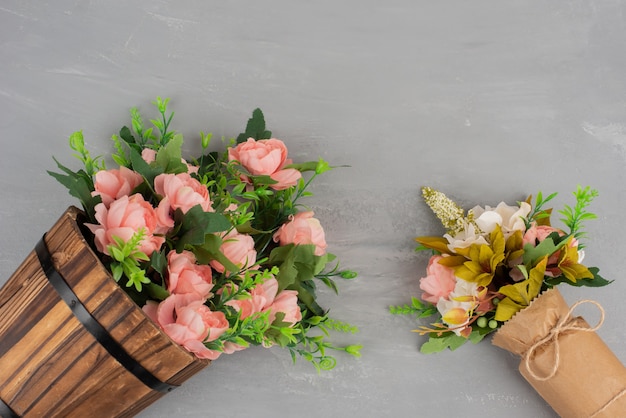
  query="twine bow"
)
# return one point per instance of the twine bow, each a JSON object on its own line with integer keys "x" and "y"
{"x": 566, "y": 323}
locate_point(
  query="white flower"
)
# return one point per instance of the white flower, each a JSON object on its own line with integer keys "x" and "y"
{"x": 457, "y": 309}
{"x": 510, "y": 218}
{"x": 465, "y": 237}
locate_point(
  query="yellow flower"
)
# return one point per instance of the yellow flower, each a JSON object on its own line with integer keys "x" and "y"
{"x": 519, "y": 295}
{"x": 481, "y": 259}
{"x": 455, "y": 316}
{"x": 569, "y": 265}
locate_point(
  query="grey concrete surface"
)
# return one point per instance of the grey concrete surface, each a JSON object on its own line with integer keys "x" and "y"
{"x": 485, "y": 100}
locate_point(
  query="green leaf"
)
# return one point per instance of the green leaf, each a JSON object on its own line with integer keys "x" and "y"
{"x": 158, "y": 262}
{"x": 308, "y": 166}
{"x": 329, "y": 283}
{"x": 169, "y": 157}
{"x": 116, "y": 253}
{"x": 117, "y": 270}
{"x": 210, "y": 250}
{"x": 596, "y": 281}
{"x": 146, "y": 170}
{"x": 255, "y": 128}
{"x": 156, "y": 292}
{"x": 262, "y": 180}
{"x": 296, "y": 263}
{"x": 545, "y": 248}
{"x": 297, "y": 266}
{"x": 436, "y": 344}
{"x": 477, "y": 336}
{"x": 306, "y": 296}
{"x": 197, "y": 223}
{"x": 127, "y": 135}
{"x": 80, "y": 186}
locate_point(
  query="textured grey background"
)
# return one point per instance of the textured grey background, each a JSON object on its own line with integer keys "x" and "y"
{"x": 485, "y": 100}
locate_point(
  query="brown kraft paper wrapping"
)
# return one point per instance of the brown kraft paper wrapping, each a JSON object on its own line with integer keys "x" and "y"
{"x": 564, "y": 360}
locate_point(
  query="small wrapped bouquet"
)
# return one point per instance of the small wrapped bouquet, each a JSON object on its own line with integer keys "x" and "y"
{"x": 214, "y": 254}
{"x": 496, "y": 270}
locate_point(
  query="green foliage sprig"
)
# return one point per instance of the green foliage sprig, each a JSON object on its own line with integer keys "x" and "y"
{"x": 574, "y": 217}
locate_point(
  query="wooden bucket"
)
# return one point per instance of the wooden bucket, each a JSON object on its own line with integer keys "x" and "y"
{"x": 73, "y": 344}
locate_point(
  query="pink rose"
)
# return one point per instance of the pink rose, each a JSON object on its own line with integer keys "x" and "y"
{"x": 149, "y": 155}
{"x": 266, "y": 157}
{"x": 123, "y": 219}
{"x": 179, "y": 191}
{"x": 302, "y": 229}
{"x": 286, "y": 302}
{"x": 439, "y": 281}
{"x": 230, "y": 347}
{"x": 189, "y": 322}
{"x": 113, "y": 184}
{"x": 245, "y": 307}
{"x": 185, "y": 276}
{"x": 537, "y": 233}
{"x": 238, "y": 248}
{"x": 260, "y": 297}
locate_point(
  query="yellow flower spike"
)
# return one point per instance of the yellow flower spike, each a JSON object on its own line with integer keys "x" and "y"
{"x": 449, "y": 213}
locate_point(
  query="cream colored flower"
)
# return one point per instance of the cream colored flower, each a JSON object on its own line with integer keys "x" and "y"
{"x": 510, "y": 218}
{"x": 457, "y": 310}
{"x": 467, "y": 235}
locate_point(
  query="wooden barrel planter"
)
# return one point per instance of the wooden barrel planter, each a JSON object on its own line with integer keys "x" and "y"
{"x": 73, "y": 344}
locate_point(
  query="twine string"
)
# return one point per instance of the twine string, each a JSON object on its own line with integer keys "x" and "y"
{"x": 565, "y": 323}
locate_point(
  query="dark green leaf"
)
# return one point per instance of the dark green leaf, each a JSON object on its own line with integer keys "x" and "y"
{"x": 158, "y": 262}
{"x": 306, "y": 296}
{"x": 297, "y": 263}
{"x": 545, "y": 248}
{"x": 156, "y": 292}
{"x": 80, "y": 186}
{"x": 197, "y": 223}
{"x": 597, "y": 281}
{"x": 143, "y": 168}
{"x": 330, "y": 283}
{"x": 255, "y": 128}
{"x": 210, "y": 250}
{"x": 127, "y": 136}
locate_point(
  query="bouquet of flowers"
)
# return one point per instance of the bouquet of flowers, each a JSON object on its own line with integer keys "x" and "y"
{"x": 216, "y": 249}
{"x": 493, "y": 262}
{"x": 496, "y": 269}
